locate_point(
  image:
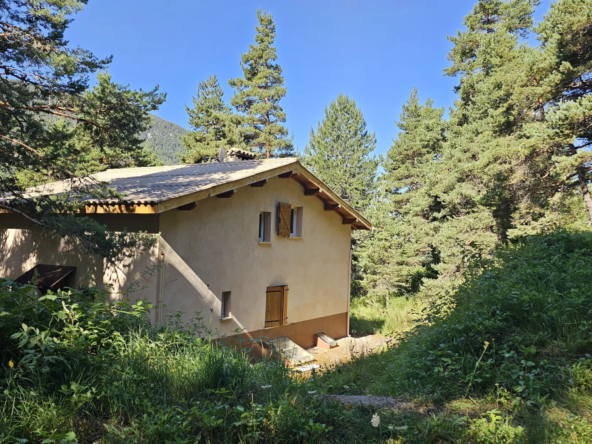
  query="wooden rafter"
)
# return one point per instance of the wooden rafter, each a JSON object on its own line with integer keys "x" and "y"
{"x": 258, "y": 184}
{"x": 225, "y": 195}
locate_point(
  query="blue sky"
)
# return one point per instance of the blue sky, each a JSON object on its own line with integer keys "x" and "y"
{"x": 375, "y": 51}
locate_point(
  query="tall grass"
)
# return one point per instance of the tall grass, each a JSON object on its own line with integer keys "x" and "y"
{"x": 74, "y": 369}
{"x": 399, "y": 317}
{"x": 509, "y": 361}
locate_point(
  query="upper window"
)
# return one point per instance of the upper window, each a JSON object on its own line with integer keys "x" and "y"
{"x": 289, "y": 220}
{"x": 265, "y": 226}
{"x": 296, "y": 222}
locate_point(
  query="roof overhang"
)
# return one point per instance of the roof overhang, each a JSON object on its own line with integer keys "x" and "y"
{"x": 312, "y": 186}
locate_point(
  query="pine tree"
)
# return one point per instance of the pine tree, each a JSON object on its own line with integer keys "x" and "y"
{"x": 210, "y": 122}
{"x": 566, "y": 137}
{"x": 339, "y": 153}
{"x": 53, "y": 127}
{"x": 258, "y": 94}
{"x": 419, "y": 143}
{"x": 399, "y": 253}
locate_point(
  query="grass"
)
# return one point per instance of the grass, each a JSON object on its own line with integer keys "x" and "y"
{"x": 374, "y": 319}
{"x": 76, "y": 370}
{"x": 510, "y": 363}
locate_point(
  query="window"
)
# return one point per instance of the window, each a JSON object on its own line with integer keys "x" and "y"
{"x": 265, "y": 226}
{"x": 296, "y": 222}
{"x": 289, "y": 220}
{"x": 225, "y": 312}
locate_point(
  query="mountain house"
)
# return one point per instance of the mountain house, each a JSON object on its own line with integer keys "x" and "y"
{"x": 260, "y": 246}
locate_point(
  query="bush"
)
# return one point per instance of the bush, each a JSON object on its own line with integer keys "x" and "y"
{"x": 518, "y": 329}
{"x": 75, "y": 369}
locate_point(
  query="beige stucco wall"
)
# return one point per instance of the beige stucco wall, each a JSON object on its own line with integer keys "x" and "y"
{"x": 22, "y": 249}
{"x": 217, "y": 244}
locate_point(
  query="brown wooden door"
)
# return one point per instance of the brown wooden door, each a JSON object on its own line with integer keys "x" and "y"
{"x": 276, "y": 306}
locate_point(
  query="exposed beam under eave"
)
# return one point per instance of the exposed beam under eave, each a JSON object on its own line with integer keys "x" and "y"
{"x": 311, "y": 191}
{"x": 258, "y": 184}
{"x": 225, "y": 195}
{"x": 331, "y": 207}
{"x": 286, "y": 175}
{"x": 348, "y": 221}
{"x": 187, "y": 207}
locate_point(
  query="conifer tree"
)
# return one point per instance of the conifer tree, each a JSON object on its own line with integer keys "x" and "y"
{"x": 259, "y": 92}
{"x": 419, "y": 143}
{"x": 54, "y": 127}
{"x": 340, "y": 152}
{"x": 566, "y": 100}
{"x": 400, "y": 252}
{"x": 210, "y": 122}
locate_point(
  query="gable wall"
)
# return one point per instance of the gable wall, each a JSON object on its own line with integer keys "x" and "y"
{"x": 217, "y": 244}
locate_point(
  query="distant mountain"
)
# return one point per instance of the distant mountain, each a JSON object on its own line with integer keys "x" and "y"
{"x": 164, "y": 139}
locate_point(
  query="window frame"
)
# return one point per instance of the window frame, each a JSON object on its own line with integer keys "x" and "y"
{"x": 226, "y": 305}
{"x": 264, "y": 227}
{"x": 296, "y": 221}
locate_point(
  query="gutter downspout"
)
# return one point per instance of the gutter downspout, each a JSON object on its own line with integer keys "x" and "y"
{"x": 160, "y": 287}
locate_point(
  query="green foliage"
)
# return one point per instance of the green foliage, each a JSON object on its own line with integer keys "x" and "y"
{"x": 76, "y": 369}
{"x": 339, "y": 153}
{"x": 513, "y": 348}
{"x": 258, "y": 94}
{"x": 164, "y": 138}
{"x": 53, "y": 126}
{"x": 211, "y": 124}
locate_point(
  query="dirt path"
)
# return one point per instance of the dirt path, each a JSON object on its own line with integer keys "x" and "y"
{"x": 348, "y": 349}
{"x": 374, "y": 401}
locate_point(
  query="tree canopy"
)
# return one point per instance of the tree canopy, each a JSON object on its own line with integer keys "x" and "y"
{"x": 54, "y": 127}
{"x": 259, "y": 92}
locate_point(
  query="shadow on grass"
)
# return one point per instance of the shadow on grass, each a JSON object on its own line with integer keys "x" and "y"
{"x": 365, "y": 326}
{"x": 502, "y": 358}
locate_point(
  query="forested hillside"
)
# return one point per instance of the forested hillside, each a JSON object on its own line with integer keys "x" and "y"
{"x": 164, "y": 138}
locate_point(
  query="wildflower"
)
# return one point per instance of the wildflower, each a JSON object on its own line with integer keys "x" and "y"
{"x": 11, "y": 364}
{"x": 375, "y": 420}
{"x": 312, "y": 392}
{"x": 265, "y": 387}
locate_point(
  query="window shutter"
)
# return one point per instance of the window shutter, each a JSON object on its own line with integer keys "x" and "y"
{"x": 273, "y": 307}
{"x": 285, "y": 306}
{"x": 284, "y": 217}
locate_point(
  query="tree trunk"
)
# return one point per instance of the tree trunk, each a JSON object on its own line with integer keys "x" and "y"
{"x": 585, "y": 190}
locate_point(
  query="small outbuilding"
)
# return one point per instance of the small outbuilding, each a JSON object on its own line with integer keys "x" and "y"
{"x": 262, "y": 247}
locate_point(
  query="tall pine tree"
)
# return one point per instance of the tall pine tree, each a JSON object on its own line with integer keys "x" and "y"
{"x": 210, "y": 121}
{"x": 258, "y": 94}
{"x": 340, "y": 152}
{"x": 400, "y": 252}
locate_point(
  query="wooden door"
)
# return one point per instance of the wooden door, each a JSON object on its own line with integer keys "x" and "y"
{"x": 276, "y": 306}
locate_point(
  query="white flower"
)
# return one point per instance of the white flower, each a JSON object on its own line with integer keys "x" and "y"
{"x": 312, "y": 392}
{"x": 375, "y": 420}
{"x": 265, "y": 387}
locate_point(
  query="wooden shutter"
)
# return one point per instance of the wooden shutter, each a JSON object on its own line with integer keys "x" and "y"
{"x": 276, "y": 306}
{"x": 284, "y": 216}
{"x": 273, "y": 307}
{"x": 285, "y": 305}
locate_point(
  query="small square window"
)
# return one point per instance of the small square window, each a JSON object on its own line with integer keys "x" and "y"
{"x": 226, "y": 299}
{"x": 265, "y": 226}
{"x": 296, "y": 222}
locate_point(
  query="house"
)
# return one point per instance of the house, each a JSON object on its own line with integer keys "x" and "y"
{"x": 262, "y": 245}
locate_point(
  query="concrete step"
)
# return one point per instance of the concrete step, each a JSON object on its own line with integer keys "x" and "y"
{"x": 325, "y": 341}
{"x": 291, "y": 351}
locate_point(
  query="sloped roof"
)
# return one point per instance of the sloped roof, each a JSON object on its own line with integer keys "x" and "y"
{"x": 169, "y": 187}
